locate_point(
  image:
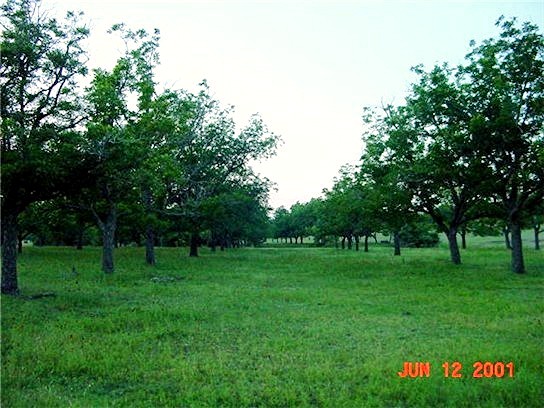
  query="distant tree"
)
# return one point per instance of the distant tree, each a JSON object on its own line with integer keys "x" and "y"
{"x": 348, "y": 210}
{"x": 42, "y": 60}
{"x": 302, "y": 220}
{"x": 215, "y": 158}
{"x": 389, "y": 198}
{"x": 313, "y": 210}
{"x": 55, "y": 222}
{"x": 237, "y": 217}
{"x": 537, "y": 222}
{"x": 419, "y": 232}
{"x": 282, "y": 224}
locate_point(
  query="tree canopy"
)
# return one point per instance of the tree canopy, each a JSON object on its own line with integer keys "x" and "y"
{"x": 147, "y": 163}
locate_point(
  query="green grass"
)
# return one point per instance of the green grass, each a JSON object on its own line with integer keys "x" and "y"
{"x": 272, "y": 328}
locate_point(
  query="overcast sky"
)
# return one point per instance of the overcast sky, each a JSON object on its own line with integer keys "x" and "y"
{"x": 307, "y": 67}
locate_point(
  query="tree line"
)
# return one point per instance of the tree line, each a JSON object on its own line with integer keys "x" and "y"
{"x": 465, "y": 149}
{"x": 119, "y": 151}
{"x": 120, "y": 160}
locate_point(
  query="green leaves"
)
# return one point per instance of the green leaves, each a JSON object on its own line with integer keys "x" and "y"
{"x": 41, "y": 62}
{"x": 466, "y": 137}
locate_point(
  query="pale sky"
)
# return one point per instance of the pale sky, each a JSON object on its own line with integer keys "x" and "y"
{"x": 308, "y": 67}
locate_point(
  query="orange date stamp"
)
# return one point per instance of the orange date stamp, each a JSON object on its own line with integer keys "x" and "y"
{"x": 480, "y": 369}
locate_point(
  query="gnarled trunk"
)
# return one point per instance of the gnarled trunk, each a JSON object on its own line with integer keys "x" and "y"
{"x": 517, "y": 250}
{"x": 454, "y": 248}
{"x": 396, "y": 241}
{"x": 9, "y": 254}
{"x": 108, "y": 227}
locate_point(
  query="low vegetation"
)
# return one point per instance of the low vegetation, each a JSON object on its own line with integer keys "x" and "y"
{"x": 272, "y": 327}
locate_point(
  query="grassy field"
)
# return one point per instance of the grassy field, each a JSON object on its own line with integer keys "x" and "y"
{"x": 272, "y": 327}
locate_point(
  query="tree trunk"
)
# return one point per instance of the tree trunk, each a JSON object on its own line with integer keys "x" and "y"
{"x": 396, "y": 240}
{"x": 19, "y": 244}
{"x": 536, "y": 228}
{"x": 108, "y": 228}
{"x": 454, "y": 248}
{"x": 9, "y": 254}
{"x": 506, "y": 233}
{"x": 79, "y": 241}
{"x": 213, "y": 242}
{"x": 350, "y": 242}
{"x": 463, "y": 238}
{"x": 193, "y": 251}
{"x": 356, "y": 242}
{"x": 343, "y": 242}
{"x": 149, "y": 231}
{"x": 302, "y": 240}
{"x": 366, "y": 243}
{"x": 517, "y": 250}
{"x": 149, "y": 245}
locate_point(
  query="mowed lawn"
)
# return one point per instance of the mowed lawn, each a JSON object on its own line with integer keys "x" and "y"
{"x": 269, "y": 327}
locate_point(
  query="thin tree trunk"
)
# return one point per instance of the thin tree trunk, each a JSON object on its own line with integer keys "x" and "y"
{"x": 108, "y": 228}
{"x": 454, "y": 248}
{"x": 149, "y": 231}
{"x": 366, "y": 243}
{"x": 356, "y": 242}
{"x": 302, "y": 240}
{"x": 396, "y": 240}
{"x": 79, "y": 242}
{"x": 9, "y": 254}
{"x": 149, "y": 245}
{"x": 213, "y": 242}
{"x": 343, "y": 242}
{"x": 536, "y": 228}
{"x": 350, "y": 242}
{"x": 193, "y": 251}
{"x": 19, "y": 244}
{"x": 517, "y": 250}
{"x": 463, "y": 238}
{"x": 506, "y": 233}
